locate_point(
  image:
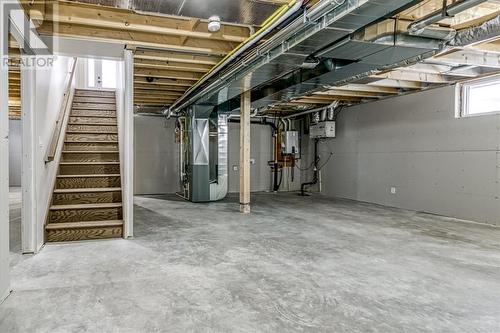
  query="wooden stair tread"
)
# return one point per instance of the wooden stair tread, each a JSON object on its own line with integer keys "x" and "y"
{"x": 88, "y": 163}
{"x": 101, "y": 96}
{"x": 94, "y": 96}
{"x": 111, "y": 91}
{"x": 90, "y": 175}
{"x": 101, "y": 92}
{"x": 87, "y": 206}
{"x": 91, "y": 116}
{"x": 84, "y": 224}
{"x": 91, "y": 132}
{"x": 88, "y": 190}
{"x": 93, "y": 141}
{"x": 90, "y": 151}
{"x": 91, "y": 124}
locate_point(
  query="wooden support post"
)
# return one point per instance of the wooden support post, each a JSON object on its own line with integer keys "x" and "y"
{"x": 128, "y": 145}
{"x": 245, "y": 153}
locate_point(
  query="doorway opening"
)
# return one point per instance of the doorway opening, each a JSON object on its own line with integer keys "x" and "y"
{"x": 101, "y": 74}
{"x": 15, "y": 151}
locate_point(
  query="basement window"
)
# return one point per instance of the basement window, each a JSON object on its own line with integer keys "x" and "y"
{"x": 480, "y": 97}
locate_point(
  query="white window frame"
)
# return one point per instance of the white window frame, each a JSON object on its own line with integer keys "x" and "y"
{"x": 463, "y": 92}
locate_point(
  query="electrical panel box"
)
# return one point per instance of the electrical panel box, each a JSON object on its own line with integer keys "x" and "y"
{"x": 324, "y": 129}
{"x": 290, "y": 142}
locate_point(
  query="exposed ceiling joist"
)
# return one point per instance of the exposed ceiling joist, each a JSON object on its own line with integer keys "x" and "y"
{"x": 138, "y": 39}
{"x": 398, "y": 84}
{"x": 318, "y": 100}
{"x": 153, "y": 88}
{"x": 473, "y": 53}
{"x": 491, "y": 46}
{"x": 435, "y": 68}
{"x": 163, "y": 98}
{"x": 187, "y": 58}
{"x": 163, "y": 82}
{"x": 168, "y": 74}
{"x": 346, "y": 93}
{"x": 35, "y": 9}
{"x": 471, "y": 58}
{"x": 138, "y": 91}
{"x": 368, "y": 88}
{"x": 405, "y": 75}
{"x": 172, "y": 65}
{"x": 128, "y": 27}
{"x": 151, "y": 102}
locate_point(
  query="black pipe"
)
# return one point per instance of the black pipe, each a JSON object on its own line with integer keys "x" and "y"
{"x": 316, "y": 171}
{"x": 263, "y": 121}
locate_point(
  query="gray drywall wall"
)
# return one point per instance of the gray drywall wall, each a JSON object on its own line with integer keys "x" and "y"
{"x": 261, "y": 150}
{"x": 156, "y": 156}
{"x": 15, "y": 152}
{"x": 436, "y": 162}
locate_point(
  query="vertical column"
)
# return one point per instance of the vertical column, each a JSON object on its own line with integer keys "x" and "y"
{"x": 4, "y": 166}
{"x": 32, "y": 232}
{"x": 245, "y": 152}
{"x": 128, "y": 146}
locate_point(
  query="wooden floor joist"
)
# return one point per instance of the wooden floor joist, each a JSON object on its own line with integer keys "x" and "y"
{"x": 168, "y": 74}
{"x": 180, "y": 57}
{"x": 111, "y": 18}
{"x": 171, "y": 65}
{"x": 169, "y": 51}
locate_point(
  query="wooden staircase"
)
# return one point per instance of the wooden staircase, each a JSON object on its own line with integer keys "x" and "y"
{"x": 87, "y": 198}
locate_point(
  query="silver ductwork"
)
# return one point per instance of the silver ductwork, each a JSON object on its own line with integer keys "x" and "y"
{"x": 342, "y": 42}
{"x": 418, "y": 27}
{"x": 219, "y": 188}
{"x": 375, "y": 48}
{"x": 438, "y": 33}
{"x": 203, "y": 138}
{"x": 323, "y": 24}
{"x": 484, "y": 32}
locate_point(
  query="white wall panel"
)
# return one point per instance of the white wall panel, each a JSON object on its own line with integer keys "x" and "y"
{"x": 15, "y": 152}
{"x": 50, "y": 86}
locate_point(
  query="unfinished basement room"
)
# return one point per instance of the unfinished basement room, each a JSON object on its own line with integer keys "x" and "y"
{"x": 250, "y": 166}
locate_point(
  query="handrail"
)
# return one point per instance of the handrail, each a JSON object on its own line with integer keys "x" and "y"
{"x": 65, "y": 106}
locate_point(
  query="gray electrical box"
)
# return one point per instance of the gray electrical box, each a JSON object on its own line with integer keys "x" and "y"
{"x": 324, "y": 129}
{"x": 290, "y": 141}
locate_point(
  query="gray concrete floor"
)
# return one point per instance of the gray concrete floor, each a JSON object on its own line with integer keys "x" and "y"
{"x": 294, "y": 265}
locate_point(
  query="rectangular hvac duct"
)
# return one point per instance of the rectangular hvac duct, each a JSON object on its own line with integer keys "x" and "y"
{"x": 280, "y": 56}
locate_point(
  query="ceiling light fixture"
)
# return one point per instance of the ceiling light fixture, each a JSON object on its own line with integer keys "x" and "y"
{"x": 214, "y": 23}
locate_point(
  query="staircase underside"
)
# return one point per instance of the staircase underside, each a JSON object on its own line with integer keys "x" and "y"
{"x": 87, "y": 198}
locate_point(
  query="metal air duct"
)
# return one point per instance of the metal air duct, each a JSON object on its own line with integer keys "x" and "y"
{"x": 203, "y": 136}
{"x": 324, "y": 23}
{"x": 418, "y": 27}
